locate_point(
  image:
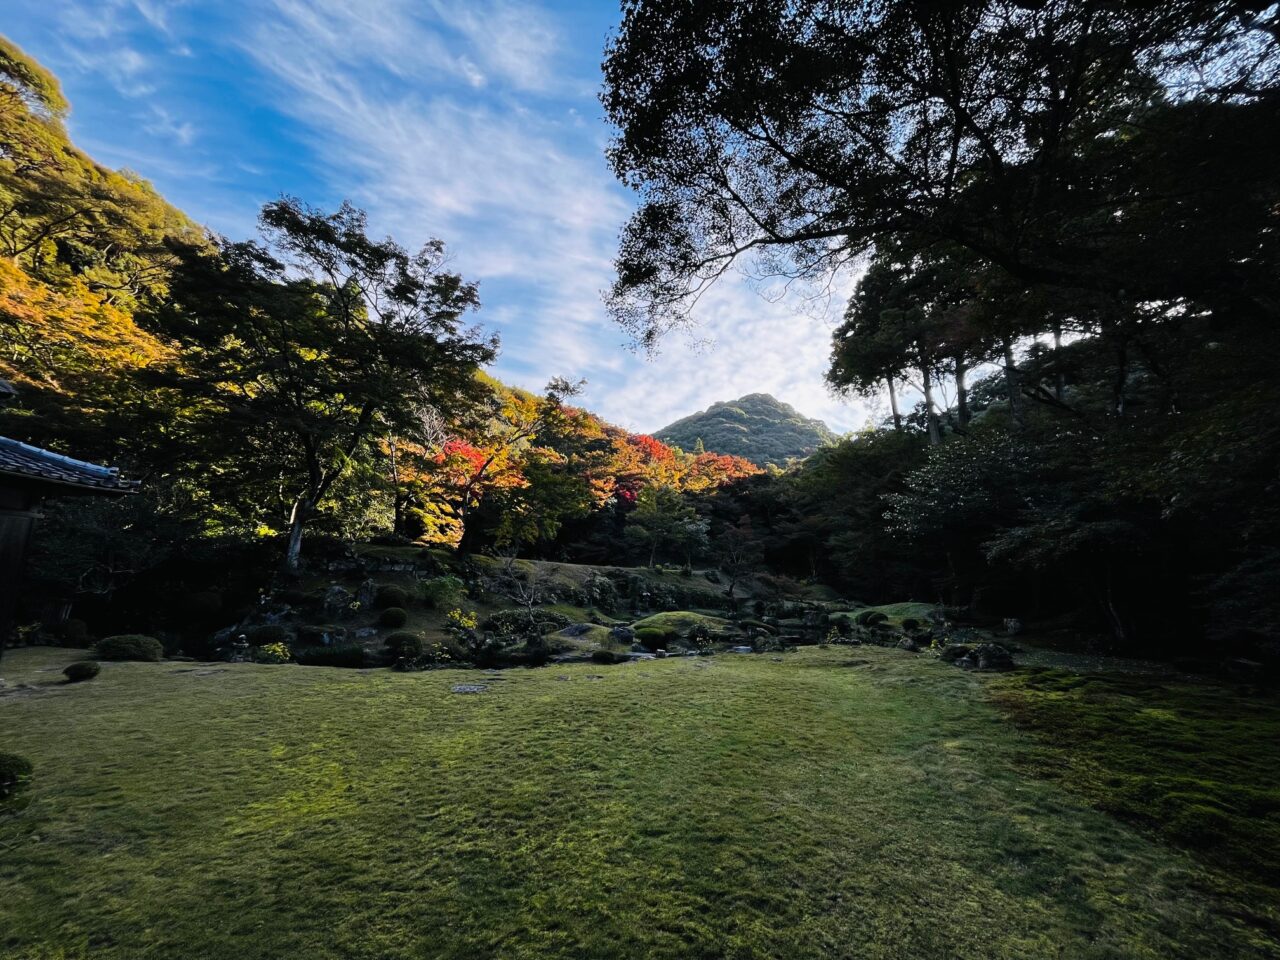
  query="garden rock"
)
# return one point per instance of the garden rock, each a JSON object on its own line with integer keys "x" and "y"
{"x": 906, "y": 643}
{"x": 469, "y": 688}
{"x": 987, "y": 656}
{"x": 337, "y": 601}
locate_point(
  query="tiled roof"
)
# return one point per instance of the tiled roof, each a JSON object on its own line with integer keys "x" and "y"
{"x": 32, "y": 463}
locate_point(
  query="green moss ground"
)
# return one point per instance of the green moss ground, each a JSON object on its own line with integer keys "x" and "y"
{"x": 830, "y": 803}
{"x": 1194, "y": 762}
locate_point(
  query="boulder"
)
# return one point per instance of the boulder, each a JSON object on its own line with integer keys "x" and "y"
{"x": 622, "y": 634}
{"x": 987, "y": 656}
{"x": 337, "y": 601}
{"x": 906, "y": 643}
{"x": 953, "y": 652}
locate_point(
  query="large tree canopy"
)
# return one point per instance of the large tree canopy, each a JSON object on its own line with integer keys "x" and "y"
{"x": 1113, "y": 147}
{"x": 316, "y": 343}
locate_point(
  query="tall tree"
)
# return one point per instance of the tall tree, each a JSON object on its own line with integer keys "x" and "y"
{"x": 310, "y": 345}
{"x": 1043, "y": 137}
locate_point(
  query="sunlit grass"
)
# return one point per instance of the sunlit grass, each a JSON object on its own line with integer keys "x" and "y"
{"x": 826, "y": 803}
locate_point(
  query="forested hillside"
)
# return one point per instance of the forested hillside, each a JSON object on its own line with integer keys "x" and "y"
{"x": 1096, "y": 444}
{"x": 758, "y": 427}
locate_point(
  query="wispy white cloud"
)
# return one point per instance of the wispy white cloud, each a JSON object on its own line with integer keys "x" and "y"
{"x": 471, "y": 120}
{"x": 520, "y": 190}
{"x": 163, "y": 124}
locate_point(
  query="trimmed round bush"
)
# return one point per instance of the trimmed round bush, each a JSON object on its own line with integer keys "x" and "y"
{"x": 607, "y": 657}
{"x": 15, "y": 772}
{"x": 266, "y": 634}
{"x": 391, "y": 595}
{"x": 870, "y": 618}
{"x": 81, "y": 670}
{"x": 393, "y": 617}
{"x": 653, "y": 638}
{"x": 406, "y": 643}
{"x": 129, "y": 646}
{"x": 911, "y": 624}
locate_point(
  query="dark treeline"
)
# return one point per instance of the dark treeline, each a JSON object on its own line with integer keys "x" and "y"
{"x": 1067, "y": 216}
{"x": 1068, "y": 212}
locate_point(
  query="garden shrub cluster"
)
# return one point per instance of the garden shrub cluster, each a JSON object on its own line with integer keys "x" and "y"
{"x": 272, "y": 653}
{"x": 129, "y": 646}
{"x": 405, "y": 643}
{"x": 517, "y": 622}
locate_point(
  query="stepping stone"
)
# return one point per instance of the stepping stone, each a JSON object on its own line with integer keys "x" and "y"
{"x": 469, "y": 688}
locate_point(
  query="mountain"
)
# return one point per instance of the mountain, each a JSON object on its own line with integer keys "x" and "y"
{"x": 759, "y": 427}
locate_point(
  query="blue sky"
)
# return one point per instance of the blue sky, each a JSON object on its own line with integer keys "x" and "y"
{"x": 475, "y": 122}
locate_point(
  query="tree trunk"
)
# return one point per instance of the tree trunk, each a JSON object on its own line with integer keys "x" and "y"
{"x": 931, "y": 415}
{"x": 962, "y": 392}
{"x": 1011, "y": 382}
{"x": 893, "y": 405}
{"x": 297, "y": 520}
{"x": 397, "y": 508}
{"x": 1122, "y": 376}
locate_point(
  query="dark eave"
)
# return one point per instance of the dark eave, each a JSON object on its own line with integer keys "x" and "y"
{"x": 44, "y": 467}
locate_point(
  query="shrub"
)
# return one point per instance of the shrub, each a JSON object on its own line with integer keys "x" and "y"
{"x": 870, "y": 618}
{"x": 516, "y": 622}
{"x": 129, "y": 646}
{"x": 338, "y": 655}
{"x": 81, "y": 670}
{"x": 393, "y": 617}
{"x": 910, "y": 624}
{"x": 461, "y": 621}
{"x": 391, "y": 595}
{"x": 267, "y": 634}
{"x": 608, "y": 656}
{"x": 406, "y": 644}
{"x": 272, "y": 653}
{"x": 15, "y": 773}
{"x": 442, "y": 592}
{"x": 653, "y": 638}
